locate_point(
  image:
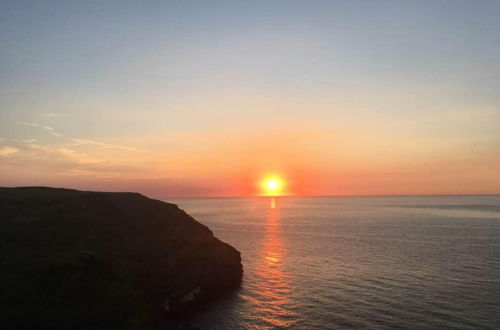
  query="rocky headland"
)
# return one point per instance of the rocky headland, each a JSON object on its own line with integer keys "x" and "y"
{"x": 93, "y": 260}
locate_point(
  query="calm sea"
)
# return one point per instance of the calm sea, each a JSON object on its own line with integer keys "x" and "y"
{"x": 358, "y": 262}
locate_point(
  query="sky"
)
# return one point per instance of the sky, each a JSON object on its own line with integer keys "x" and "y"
{"x": 207, "y": 98}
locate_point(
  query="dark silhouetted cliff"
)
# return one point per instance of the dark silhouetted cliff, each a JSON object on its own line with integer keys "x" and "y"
{"x": 93, "y": 260}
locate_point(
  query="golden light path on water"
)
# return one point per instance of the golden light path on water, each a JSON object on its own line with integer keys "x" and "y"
{"x": 272, "y": 287}
{"x": 350, "y": 262}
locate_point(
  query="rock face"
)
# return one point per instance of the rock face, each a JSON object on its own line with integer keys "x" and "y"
{"x": 91, "y": 260}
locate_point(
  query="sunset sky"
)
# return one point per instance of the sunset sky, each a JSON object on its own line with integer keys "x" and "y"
{"x": 208, "y": 98}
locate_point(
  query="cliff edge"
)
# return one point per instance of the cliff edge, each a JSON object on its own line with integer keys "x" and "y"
{"x": 94, "y": 260}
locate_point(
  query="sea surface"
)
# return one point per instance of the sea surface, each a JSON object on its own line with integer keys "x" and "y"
{"x": 357, "y": 262}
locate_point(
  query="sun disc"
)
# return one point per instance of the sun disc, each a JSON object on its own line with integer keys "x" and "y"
{"x": 272, "y": 186}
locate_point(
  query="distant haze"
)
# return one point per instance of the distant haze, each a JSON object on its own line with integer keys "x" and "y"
{"x": 205, "y": 98}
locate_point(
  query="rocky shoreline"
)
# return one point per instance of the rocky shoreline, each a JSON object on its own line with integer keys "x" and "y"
{"x": 78, "y": 260}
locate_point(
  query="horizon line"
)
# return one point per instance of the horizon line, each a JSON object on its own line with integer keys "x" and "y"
{"x": 266, "y": 196}
{"x": 353, "y": 195}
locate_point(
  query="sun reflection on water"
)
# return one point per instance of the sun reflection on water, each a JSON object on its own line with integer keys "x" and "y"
{"x": 273, "y": 287}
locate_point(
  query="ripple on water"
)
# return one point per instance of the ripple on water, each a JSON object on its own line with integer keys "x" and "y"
{"x": 353, "y": 262}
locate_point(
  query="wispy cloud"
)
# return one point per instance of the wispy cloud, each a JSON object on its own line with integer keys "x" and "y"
{"x": 27, "y": 124}
{"x": 32, "y": 158}
{"x": 58, "y": 155}
{"x": 53, "y": 115}
{"x": 79, "y": 142}
{"x": 70, "y": 156}
{"x": 49, "y": 129}
{"x": 5, "y": 151}
{"x": 78, "y": 157}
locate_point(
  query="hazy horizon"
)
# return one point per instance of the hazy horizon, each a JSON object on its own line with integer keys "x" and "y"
{"x": 207, "y": 99}
{"x": 159, "y": 197}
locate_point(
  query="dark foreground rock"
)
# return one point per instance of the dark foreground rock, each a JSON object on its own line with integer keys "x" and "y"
{"x": 90, "y": 260}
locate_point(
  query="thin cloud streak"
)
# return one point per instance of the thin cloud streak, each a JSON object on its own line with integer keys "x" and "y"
{"x": 5, "y": 151}
{"x": 48, "y": 129}
{"x": 53, "y": 115}
{"x": 79, "y": 142}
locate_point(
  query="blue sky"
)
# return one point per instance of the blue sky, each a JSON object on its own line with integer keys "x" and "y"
{"x": 171, "y": 76}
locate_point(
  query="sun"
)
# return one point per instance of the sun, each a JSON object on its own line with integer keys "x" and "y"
{"x": 272, "y": 186}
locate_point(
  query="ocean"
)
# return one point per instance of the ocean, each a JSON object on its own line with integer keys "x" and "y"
{"x": 421, "y": 262}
